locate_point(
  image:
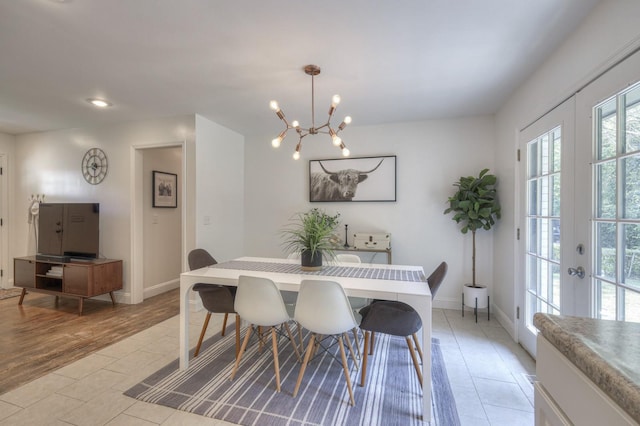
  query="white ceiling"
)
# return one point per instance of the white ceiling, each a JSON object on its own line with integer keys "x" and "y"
{"x": 390, "y": 61}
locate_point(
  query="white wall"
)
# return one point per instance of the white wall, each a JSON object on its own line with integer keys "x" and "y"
{"x": 219, "y": 203}
{"x": 7, "y": 144}
{"x": 49, "y": 163}
{"x": 430, "y": 157}
{"x": 609, "y": 31}
{"x": 162, "y": 226}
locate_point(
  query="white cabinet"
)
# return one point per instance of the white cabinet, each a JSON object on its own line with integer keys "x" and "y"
{"x": 564, "y": 395}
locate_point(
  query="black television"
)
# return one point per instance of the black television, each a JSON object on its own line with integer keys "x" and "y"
{"x": 68, "y": 230}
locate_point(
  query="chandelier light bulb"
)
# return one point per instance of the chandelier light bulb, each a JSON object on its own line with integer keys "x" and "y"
{"x": 296, "y": 155}
{"x": 335, "y": 100}
{"x": 274, "y": 106}
{"x": 295, "y": 124}
{"x": 276, "y": 142}
{"x": 347, "y": 120}
{"x": 337, "y": 140}
{"x": 345, "y": 152}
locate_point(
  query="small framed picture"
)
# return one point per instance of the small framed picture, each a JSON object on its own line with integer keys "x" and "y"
{"x": 353, "y": 179}
{"x": 165, "y": 189}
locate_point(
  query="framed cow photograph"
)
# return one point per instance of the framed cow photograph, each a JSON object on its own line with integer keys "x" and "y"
{"x": 353, "y": 179}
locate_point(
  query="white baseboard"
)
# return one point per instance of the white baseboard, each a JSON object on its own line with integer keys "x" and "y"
{"x": 447, "y": 303}
{"x": 122, "y": 296}
{"x": 505, "y": 321}
{"x": 161, "y": 288}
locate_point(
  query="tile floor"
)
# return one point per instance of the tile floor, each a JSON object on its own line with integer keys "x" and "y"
{"x": 487, "y": 370}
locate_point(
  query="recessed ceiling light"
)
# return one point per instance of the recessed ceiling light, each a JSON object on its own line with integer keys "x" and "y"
{"x": 100, "y": 103}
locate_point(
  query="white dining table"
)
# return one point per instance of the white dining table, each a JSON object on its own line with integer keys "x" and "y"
{"x": 414, "y": 293}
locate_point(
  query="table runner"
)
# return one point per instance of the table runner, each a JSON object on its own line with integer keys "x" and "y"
{"x": 327, "y": 270}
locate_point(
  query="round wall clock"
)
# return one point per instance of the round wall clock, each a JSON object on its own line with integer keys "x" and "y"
{"x": 94, "y": 166}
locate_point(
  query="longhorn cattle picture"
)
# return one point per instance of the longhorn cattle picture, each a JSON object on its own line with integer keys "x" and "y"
{"x": 353, "y": 179}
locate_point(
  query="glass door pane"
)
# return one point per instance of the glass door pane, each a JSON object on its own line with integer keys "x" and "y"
{"x": 543, "y": 227}
{"x": 616, "y": 212}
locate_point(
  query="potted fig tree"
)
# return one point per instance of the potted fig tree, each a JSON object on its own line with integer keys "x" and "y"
{"x": 475, "y": 206}
{"x": 311, "y": 234}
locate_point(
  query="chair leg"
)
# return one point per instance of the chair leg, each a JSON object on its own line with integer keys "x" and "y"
{"x": 237, "y": 334}
{"x": 353, "y": 355}
{"x": 415, "y": 359}
{"x": 244, "y": 346}
{"x": 307, "y": 355}
{"x": 315, "y": 347}
{"x": 417, "y": 342}
{"x": 293, "y": 341}
{"x": 373, "y": 336}
{"x": 363, "y": 374}
{"x": 346, "y": 370}
{"x": 300, "y": 336}
{"x": 204, "y": 329}
{"x": 355, "y": 337}
{"x": 260, "y": 341}
{"x": 224, "y": 324}
{"x": 276, "y": 363}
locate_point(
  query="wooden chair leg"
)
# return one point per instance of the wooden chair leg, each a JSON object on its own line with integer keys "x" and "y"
{"x": 355, "y": 338}
{"x": 276, "y": 363}
{"x": 346, "y": 371}
{"x": 224, "y": 324}
{"x": 237, "y": 334}
{"x": 307, "y": 355}
{"x": 371, "y": 342}
{"x": 363, "y": 374}
{"x": 204, "y": 329}
{"x": 417, "y": 342}
{"x": 24, "y": 291}
{"x": 353, "y": 355}
{"x": 260, "y": 341}
{"x": 415, "y": 359}
{"x": 315, "y": 347}
{"x": 293, "y": 342}
{"x": 300, "y": 336}
{"x": 244, "y": 346}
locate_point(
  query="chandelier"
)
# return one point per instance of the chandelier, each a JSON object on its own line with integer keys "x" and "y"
{"x": 326, "y": 128}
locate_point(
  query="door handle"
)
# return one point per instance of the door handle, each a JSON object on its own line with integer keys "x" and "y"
{"x": 579, "y": 271}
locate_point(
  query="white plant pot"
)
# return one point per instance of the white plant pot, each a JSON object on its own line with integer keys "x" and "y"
{"x": 472, "y": 293}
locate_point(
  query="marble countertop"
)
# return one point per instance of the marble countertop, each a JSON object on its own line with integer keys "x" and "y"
{"x": 607, "y": 352}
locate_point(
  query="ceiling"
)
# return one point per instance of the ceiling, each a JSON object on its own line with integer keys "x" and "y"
{"x": 391, "y": 61}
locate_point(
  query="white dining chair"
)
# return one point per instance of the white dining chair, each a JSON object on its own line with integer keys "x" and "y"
{"x": 259, "y": 302}
{"x": 324, "y": 310}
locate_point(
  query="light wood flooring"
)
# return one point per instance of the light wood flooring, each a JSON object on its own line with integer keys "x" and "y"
{"x": 46, "y": 332}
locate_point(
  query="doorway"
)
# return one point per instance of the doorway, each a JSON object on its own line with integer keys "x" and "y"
{"x": 157, "y": 232}
{"x": 580, "y": 209}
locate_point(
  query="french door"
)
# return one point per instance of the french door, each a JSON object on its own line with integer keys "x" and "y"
{"x": 580, "y": 205}
{"x": 546, "y": 232}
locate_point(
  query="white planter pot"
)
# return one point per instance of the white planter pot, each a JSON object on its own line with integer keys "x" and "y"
{"x": 472, "y": 293}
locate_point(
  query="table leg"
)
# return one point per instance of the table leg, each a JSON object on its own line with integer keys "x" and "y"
{"x": 185, "y": 290}
{"x": 24, "y": 291}
{"x": 422, "y": 305}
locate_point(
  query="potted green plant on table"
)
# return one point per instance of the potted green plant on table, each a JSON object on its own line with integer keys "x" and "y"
{"x": 475, "y": 205}
{"x": 311, "y": 234}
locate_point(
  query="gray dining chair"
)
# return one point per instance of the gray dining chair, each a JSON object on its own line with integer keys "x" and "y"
{"x": 397, "y": 319}
{"x": 215, "y": 298}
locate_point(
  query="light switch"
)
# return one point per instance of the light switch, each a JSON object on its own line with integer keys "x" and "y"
{"x": 154, "y": 219}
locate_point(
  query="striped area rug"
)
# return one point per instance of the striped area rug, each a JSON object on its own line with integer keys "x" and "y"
{"x": 392, "y": 395}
